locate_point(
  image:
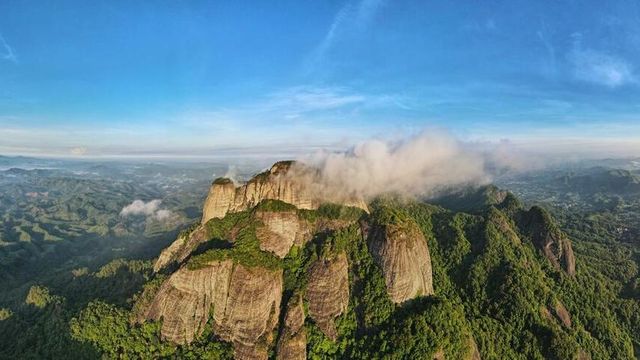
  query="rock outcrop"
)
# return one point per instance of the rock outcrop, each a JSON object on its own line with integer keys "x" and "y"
{"x": 547, "y": 237}
{"x": 328, "y": 292}
{"x": 184, "y": 301}
{"x": 292, "y": 344}
{"x": 251, "y": 311}
{"x": 280, "y": 230}
{"x": 277, "y": 183}
{"x": 562, "y": 314}
{"x": 181, "y": 248}
{"x": 245, "y": 303}
{"x": 402, "y": 253}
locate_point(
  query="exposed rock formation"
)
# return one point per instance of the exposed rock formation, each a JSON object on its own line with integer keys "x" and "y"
{"x": 245, "y": 302}
{"x": 562, "y": 314}
{"x": 181, "y": 248}
{"x": 403, "y": 255}
{"x": 280, "y": 231}
{"x": 547, "y": 237}
{"x": 184, "y": 300}
{"x": 293, "y": 340}
{"x": 251, "y": 311}
{"x": 276, "y": 184}
{"x": 328, "y": 292}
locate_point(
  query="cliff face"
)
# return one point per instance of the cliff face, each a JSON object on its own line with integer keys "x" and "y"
{"x": 245, "y": 303}
{"x": 547, "y": 237}
{"x": 277, "y": 184}
{"x": 293, "y": 340}
{"x": 280, "y": 230}
{"x": 181, "y": 248}
{"x": 251, "y": 311}
{"x": 402, "y": 253}
{"x": 184, "y": 301}
{"x": 328, "y": 292}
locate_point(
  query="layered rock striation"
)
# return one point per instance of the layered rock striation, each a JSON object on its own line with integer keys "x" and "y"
{"x": 292, "y": 344}
{"x": 280, "y": 230}
{"x": 328, "y": 292}
{"x": 244, "y": 302}
{"x": 285, "y": 181}
{"x": 401, "y": 252}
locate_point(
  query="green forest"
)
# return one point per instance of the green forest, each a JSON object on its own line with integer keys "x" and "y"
{"x": 493, "y": 290}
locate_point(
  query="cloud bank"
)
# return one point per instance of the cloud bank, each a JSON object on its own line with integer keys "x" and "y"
{"x": 150, "y": 209}
{"x": 421, "y": 165}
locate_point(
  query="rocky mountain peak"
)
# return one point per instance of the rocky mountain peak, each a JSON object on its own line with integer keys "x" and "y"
{"x": 286, "y": 181}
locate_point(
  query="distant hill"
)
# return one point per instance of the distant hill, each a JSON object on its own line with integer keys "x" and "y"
{"x": 600, "y": 179}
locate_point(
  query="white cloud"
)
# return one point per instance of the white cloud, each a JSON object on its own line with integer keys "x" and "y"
{"x": 9, "y": 54}
{"x": 600, "y": 68}
{"x": 292, "y": 107}
{"x": 419, "y": 165}
{"x": 149, "y": 209}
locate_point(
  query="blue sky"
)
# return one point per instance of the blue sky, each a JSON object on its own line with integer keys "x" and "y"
{"x": 207, "y": 78}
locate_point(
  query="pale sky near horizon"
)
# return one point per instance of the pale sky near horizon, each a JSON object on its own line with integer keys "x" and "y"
{"x": 195, "y": 78}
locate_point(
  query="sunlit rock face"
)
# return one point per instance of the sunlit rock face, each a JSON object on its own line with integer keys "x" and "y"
{"x": 184, "y": 301}
{"x": 280, "y": 230}
{"x": 251, "y": 311}
{"x": 403, "y": 255}
{"x": 245, "y": 303}
{"x": 286, "y": 181}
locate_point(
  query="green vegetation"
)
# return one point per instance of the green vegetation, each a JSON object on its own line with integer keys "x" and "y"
{"x": 275, "y": 206}
{"x": 494, "y": 288}
{"x": 39, "y": 296}
{"x": 109, "y": 329}
{"x": 245, "y": 249}
{"x": 222, "y": 181}
{"x": 116, "y": 265}
{"x": 5, "y": 314}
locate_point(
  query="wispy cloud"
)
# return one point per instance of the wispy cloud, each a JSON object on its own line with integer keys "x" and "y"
{"x": 9, "y": 54}
{"x": 544, "y": 34}
{"x": 598, "y": 67}
{"x": 303, "y": 104}
{"x": 351, "y": 18}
